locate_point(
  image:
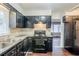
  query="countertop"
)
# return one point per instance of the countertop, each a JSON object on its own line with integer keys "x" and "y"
{"x": 17, "y": 35}
{"x": 11, "y": 44}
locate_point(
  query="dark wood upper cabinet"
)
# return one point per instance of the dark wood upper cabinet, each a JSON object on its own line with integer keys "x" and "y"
{"x": 19, "y": 20}
{"x": 31, "y": 20}
{"x": 28, "y": 21}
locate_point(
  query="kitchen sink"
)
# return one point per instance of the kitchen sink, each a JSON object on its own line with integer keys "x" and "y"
{"x": 4, "y": 44}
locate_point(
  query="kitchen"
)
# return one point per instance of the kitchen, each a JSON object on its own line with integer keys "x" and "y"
{"x": 19, "y": 32}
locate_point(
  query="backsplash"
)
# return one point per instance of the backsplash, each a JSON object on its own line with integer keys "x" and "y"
{"x": 39, "y": 26}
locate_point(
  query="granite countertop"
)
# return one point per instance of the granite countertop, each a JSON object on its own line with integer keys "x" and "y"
{"x": 16, "y": 36}
{"x": 11, "y": 44}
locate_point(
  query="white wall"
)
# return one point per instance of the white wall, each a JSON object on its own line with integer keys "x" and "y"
{"x": 37, "y": 12}
{"x": 57, "y": 16}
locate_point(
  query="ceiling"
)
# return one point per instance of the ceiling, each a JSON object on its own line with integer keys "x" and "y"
{"x": 48, "y": 6}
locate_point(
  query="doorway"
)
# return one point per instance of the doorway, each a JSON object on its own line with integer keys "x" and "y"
{"x": 56, "y": 33}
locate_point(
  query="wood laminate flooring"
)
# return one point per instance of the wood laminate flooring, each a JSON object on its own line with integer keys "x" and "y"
{"x": 65, "y": 53}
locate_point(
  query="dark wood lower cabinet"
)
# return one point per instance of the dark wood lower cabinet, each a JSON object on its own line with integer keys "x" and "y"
{"x": 50, "y": 43}
{"x": 20, "y": 48}
{"x": 16, "y": 50}
{"x": 11, "y": 52}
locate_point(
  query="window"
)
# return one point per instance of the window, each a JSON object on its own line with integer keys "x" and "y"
{"x": 4, "y": 20}
{"x": 56, "y": 27}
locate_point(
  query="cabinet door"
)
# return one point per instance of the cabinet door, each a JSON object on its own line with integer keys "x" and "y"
{"x": 29, "y": 43}
{"x": 19, "y": 48}
{"x": 19, "y": 20}
{"x": 50, "y": 44}
{"x": 25, "y": 45}
{"x": 11, "y": 52}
